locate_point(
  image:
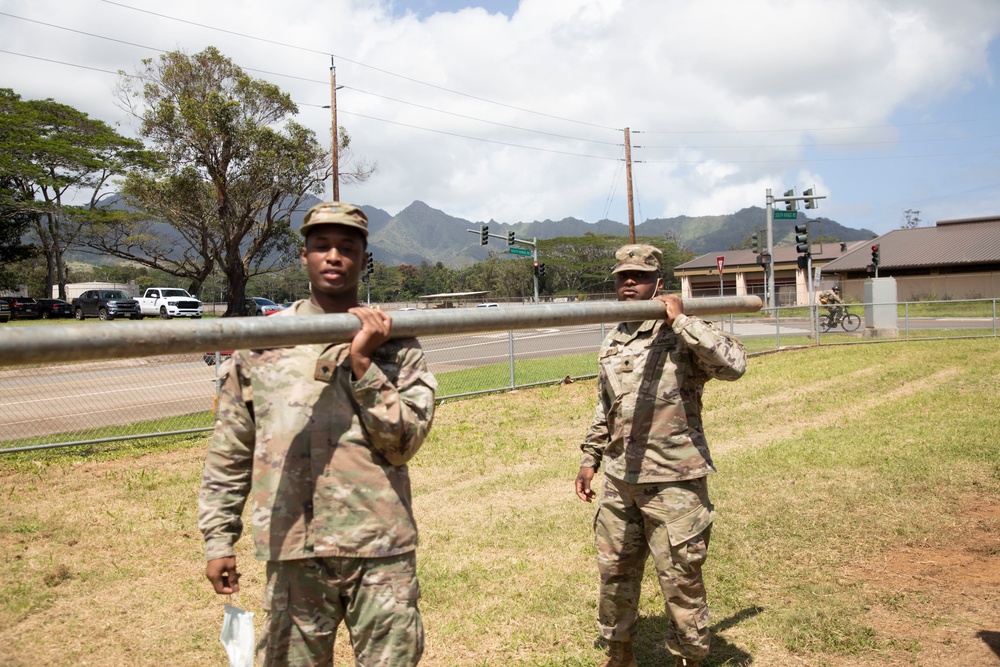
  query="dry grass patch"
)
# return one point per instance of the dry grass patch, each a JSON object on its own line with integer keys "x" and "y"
{"x": 857, "y": 497}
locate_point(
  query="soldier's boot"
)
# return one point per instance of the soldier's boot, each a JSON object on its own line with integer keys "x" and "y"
{"x": 619, "y": 655}
{"x": 686, "y": 662}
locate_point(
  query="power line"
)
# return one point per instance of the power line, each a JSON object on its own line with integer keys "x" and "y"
{"x": 356, "y": 62}
{"x": 416, "y": 127}
{"x": 59, "y": 62}
{"x": 489, "y": 141}
{"x": 316, "y": 81}
{"x": 823, "y": 145}
{"x": 452, "y": 113}
{"x": 821, "y": 129}
{"x": 824, "y": 159}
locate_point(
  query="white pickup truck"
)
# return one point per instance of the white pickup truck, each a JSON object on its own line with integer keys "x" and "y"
{"x": 168, "y": 302}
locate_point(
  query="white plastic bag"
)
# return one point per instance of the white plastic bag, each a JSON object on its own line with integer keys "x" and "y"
{"x": 237, "y": 636}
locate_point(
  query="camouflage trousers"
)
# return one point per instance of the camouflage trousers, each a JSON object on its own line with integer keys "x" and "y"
{"x": 376, "y": 598}
{"x": 673, "y": 521}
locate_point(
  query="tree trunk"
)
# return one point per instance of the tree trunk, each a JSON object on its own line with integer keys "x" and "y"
{"x": 236, "y": 287}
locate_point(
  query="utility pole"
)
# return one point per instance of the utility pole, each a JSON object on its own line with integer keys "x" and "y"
{"x": 335, "y": 153}
{"x": 628, "y": 178}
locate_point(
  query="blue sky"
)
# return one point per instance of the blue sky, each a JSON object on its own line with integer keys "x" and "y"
{"x": 514, "y": 110}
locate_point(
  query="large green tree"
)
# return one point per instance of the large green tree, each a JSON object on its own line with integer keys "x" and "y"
{"x": 236, "y": 166}
{"x": 56, "y": 165}
{"x": 14, "y": 224}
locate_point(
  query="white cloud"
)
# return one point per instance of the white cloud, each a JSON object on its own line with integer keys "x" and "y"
{"x": 724, "y": 97}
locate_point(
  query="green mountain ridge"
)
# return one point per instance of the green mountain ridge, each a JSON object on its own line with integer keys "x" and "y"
{"x": 421, "y": 233}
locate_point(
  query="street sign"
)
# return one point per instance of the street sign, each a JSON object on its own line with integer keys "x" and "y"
{"x": 786, "y": 215}
{"x": 721, "y": 261}
{"x": 523, "y": 252}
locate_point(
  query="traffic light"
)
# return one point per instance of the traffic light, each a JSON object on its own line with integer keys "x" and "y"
{"x": 802, "y": 245}
{"x": 484, "y": 234}
{"x": 536, "y": 268}
{"x": 755, "y": 241}
{"x": 510, "y": 238}
{"x": 541, "y": 270}
{"x": 370, "y": 265}
{"x": 791, "y": 205}
{"x": 876, "y": 255}
{"x": 810, "y": 203}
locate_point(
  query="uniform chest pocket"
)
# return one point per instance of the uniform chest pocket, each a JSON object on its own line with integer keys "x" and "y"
{"x": 664, "y": 372}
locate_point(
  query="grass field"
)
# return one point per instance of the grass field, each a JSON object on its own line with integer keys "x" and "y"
{"x": 858, "y": 497}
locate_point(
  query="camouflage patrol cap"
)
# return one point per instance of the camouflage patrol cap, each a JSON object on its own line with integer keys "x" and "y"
{"x": 335, "y": 213}
{"x": 637, "y": 258}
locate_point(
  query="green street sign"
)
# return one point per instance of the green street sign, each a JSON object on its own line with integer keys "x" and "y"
{"x": 523, "y": 252}
{"x": 786, "y": 215}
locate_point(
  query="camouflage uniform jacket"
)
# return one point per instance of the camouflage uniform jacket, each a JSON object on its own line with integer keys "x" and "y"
{"x": 647, "y": 426}
{"x": 322, "y": 457}
{"x": 829, "y": 296}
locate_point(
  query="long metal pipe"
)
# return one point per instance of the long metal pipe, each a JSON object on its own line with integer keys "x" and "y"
{"x": 54, "y": 343}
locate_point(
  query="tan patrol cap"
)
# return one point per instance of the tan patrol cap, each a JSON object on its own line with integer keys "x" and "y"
{"x": 335, "y": 213}
{"x": 638, "y": 258}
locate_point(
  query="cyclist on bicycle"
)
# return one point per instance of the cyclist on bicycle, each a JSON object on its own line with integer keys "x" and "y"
{"x": 831, "y": 298}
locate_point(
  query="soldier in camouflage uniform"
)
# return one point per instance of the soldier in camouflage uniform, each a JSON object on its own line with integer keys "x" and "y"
{"x": 831, "y": 299}
{"x": 318, "y": 436}
{"x": 647, "y": 431}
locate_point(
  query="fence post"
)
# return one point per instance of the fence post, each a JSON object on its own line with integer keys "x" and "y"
{"x": 510, "y": 344}
{"x": 777, "y": 327}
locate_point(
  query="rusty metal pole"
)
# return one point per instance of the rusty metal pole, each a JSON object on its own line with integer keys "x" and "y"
{"x": 628, "y": 178}
{"x": 53, "y": 343}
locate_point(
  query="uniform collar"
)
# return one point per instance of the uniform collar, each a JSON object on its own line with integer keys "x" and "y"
{"x": 622, "y": 335}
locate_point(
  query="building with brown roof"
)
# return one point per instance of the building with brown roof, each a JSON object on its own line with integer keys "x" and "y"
{"x": 954, "y": 259}
{"x": 742, "y": 275}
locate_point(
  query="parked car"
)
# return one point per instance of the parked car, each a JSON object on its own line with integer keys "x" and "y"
{"x": 22, "y": 307}
{"x": 488, "y": 305}
{"x": 107, "y": 304}
{"x": 259, "y": 306}
{"x": 4, "y": 311}
{"x": 49, "y": 308}
{"x": 169, "y": 302}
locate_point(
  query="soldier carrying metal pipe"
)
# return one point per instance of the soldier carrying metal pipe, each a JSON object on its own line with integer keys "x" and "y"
{"x": 647, "y": 433}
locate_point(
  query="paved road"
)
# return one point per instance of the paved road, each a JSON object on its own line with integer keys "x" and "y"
{"x": 57, "y": 399}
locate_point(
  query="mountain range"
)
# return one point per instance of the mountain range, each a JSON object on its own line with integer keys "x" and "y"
{"x": 420, "y": 233}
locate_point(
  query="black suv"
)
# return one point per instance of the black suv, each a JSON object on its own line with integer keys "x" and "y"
{"x": 4, "y": 311}
{"x": 106, "y": 304}
{"x": 22, "y": 308}
{"x": 48, "y": 308}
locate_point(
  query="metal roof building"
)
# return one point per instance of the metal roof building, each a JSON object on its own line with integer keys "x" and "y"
{"x": 955, "y": 259}
{"x": 741, "y": 275}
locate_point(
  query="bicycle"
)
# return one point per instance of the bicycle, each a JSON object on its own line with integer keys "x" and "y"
{"x": 847, "y": 320}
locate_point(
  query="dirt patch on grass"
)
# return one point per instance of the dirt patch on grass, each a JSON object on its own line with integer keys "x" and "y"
{"x": 939, "y": 604}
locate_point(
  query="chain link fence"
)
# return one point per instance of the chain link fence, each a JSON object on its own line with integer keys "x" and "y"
{"x": 123, "y": 399}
